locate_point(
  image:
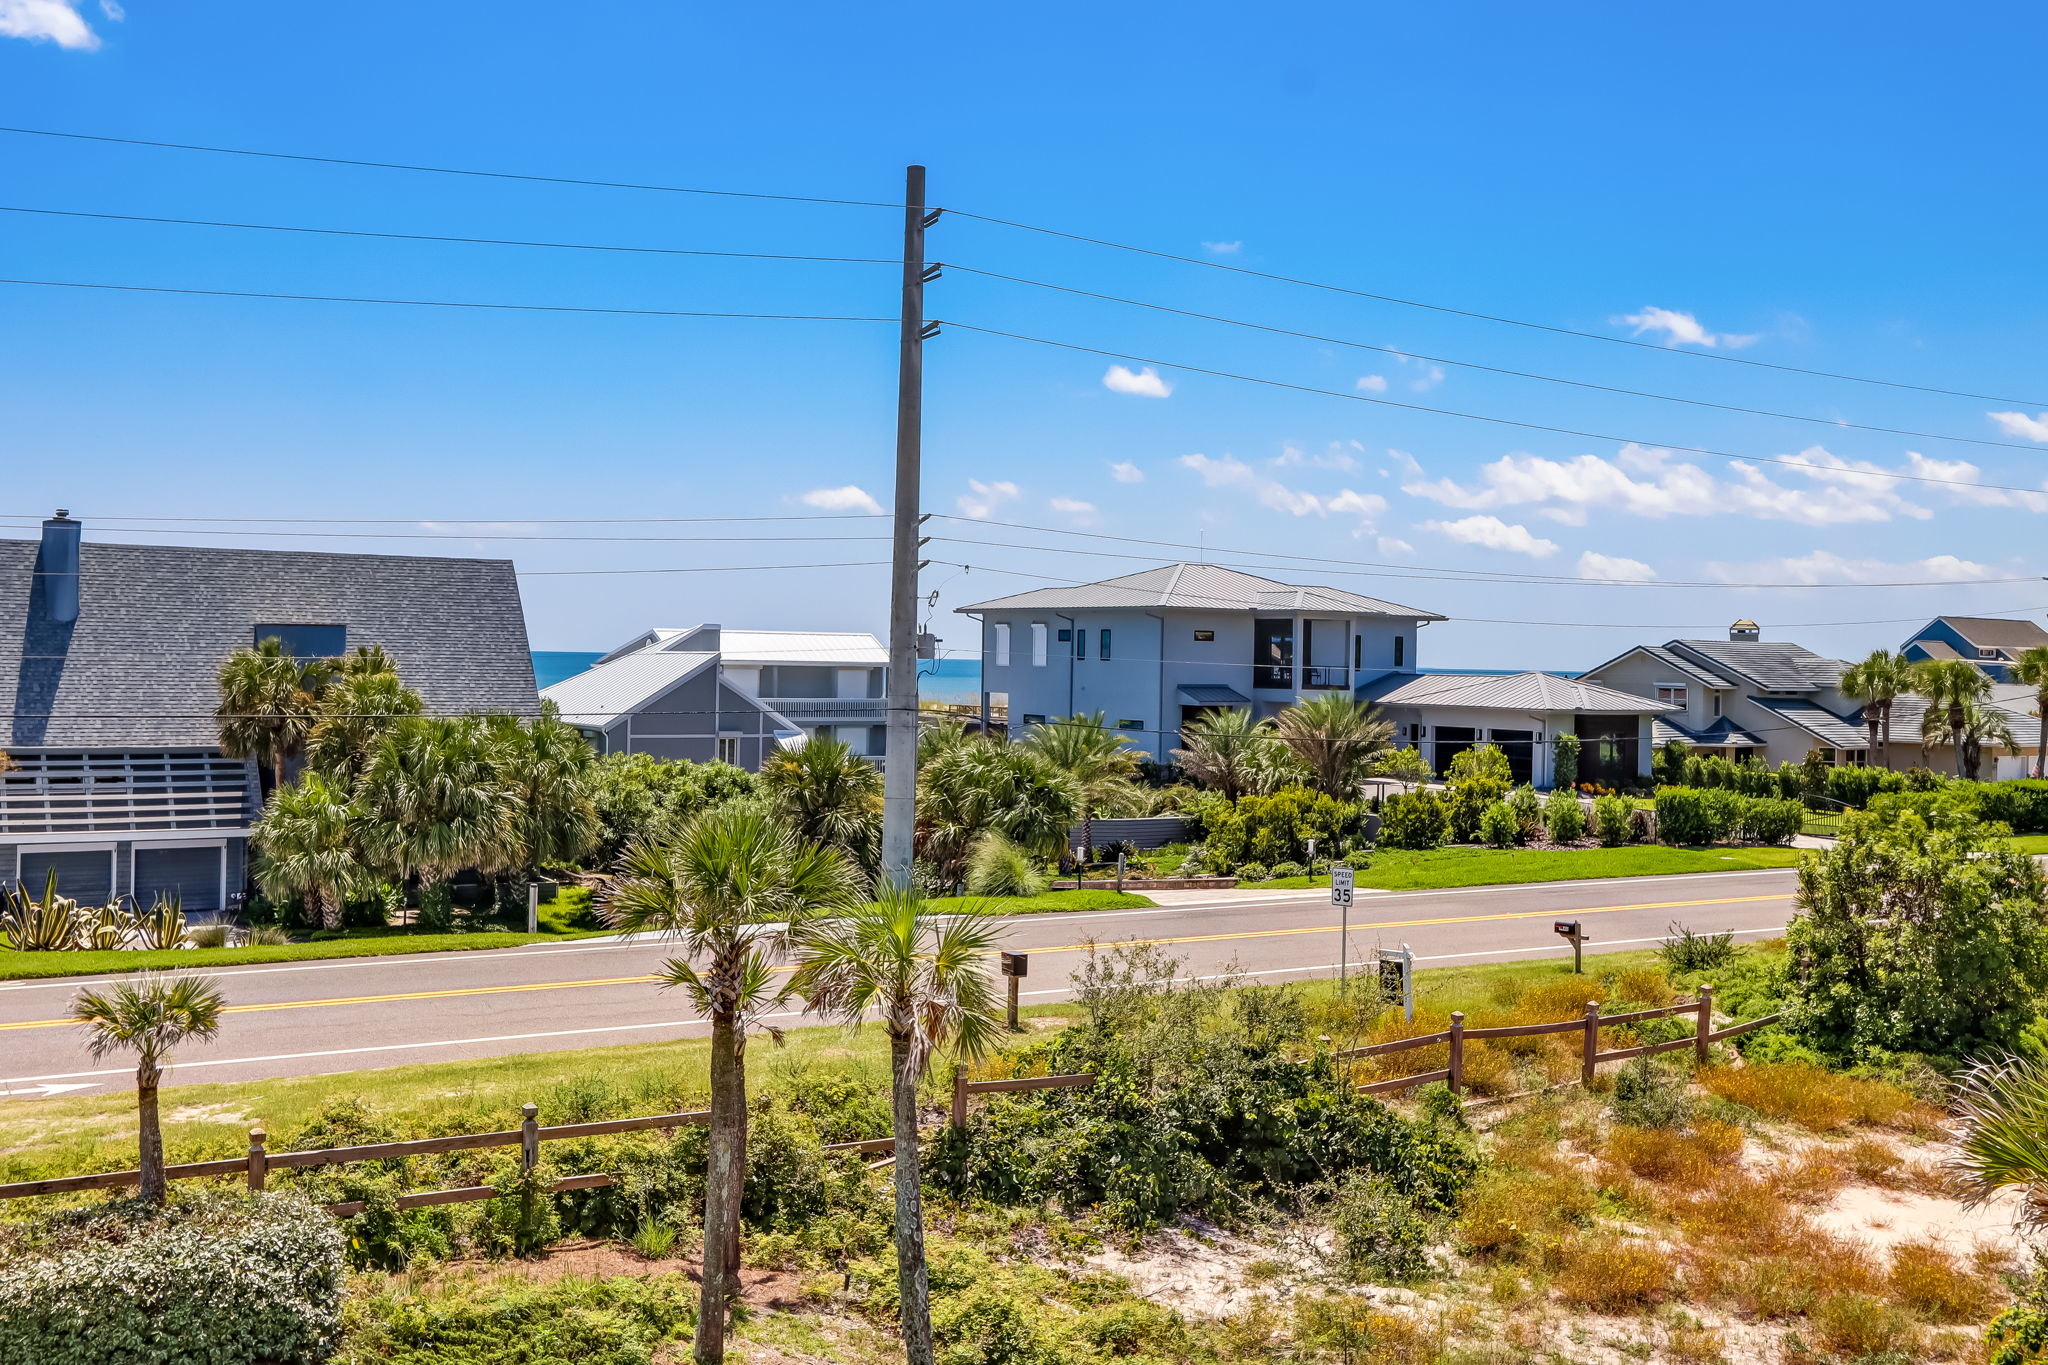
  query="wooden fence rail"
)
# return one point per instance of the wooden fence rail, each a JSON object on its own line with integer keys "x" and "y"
{"x": 260, "y": 1161}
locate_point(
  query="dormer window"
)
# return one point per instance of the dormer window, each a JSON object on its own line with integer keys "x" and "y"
{"x": 1987, "y": 653}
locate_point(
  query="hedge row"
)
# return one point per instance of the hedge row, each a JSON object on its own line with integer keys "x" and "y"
{"x": 1714, "y": 815}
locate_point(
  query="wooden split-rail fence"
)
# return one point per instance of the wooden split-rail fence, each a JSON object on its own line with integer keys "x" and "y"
{"x": 256, "y": 1166}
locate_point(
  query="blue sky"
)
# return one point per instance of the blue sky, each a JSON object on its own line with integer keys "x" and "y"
{"x": 1827, "y": 187}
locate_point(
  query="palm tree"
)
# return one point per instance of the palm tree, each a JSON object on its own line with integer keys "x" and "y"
{"x": 433, "y": 803}
{"x": 2002, "y": 1109}
{"x": 981, "y": 784}
{"x": 1981, "y": 724}
{"x": 721, "y": 889}
{"x": 544, "y": 767}
{"x": 149, "y": 1015}
{"x": 309, "y": 843}
{"x": 355, "y": 713}
{"x": 1333, "y": 736}
{"x": 829, "y": 795}
{"x": 1952, "y": 687}
{"x": 925, "y": 973}
{"x": 1228, "y": 750}
{"x": 1101, "y": 762}
{"x": 365, "y": 661}
{"x": 2031, "y": 670}
{"x": 267, "y": 704}
{"x": 1878, "y": 681}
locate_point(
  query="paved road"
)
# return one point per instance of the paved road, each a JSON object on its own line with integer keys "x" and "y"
{"x": 317, "y": 1018}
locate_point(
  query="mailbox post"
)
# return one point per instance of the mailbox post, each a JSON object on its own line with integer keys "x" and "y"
{"x": 1016, "y": 966}
{"x": 1340, "y": 896}
{"x": 1571, "y": 929}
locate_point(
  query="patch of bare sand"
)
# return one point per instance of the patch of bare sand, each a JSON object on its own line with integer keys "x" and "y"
{"x": 1195, "y": 1268}
{"x": 209, "y": 1113}
{"x": 1885, "y": 1218}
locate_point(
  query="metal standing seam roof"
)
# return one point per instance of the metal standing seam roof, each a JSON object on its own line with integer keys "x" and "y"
{"x": 1212, "y": 694}
{"x": 602, "y": 693}
{"x": 138, "y": 667}
{"x": 1199, "y": 587}
{"x": 1545, "y": 692}
{"x": 852, "y": 648}
{"x": 1840, "y": 732}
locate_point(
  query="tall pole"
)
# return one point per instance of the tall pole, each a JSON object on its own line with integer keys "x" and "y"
{"x": 899, "y": 779}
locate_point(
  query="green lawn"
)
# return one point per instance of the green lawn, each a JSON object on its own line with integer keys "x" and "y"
{"x": 1392, "y": 870}
{"x": 2027, "y": 843}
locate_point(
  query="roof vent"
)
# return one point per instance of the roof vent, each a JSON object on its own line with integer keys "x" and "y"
{"x": 57, "y": 566}
{"x": 1745, "y": 630}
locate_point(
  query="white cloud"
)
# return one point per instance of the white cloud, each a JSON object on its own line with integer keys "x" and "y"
{"x": 1494, "y": 534}
{"x": 849, "y": 498}
{"x": 1231, "y": 472}
{"x": 113, "y": 10}
{"x": 1367, "y": 505}
{"x": 1336, "y": 457}
{"x": 48, "y": 21}
{"x": 1593, "y": 564}
{"x": 1373, "y": 383}
{"x": 1082, "y": 512}
{"x": 1682, "y": 329}
{"x": 1223, "y": 248}
{"x": 1394, "y": 545}
{"x": 1146, "y": 383}
{"x": 1431, "y": 377}
{"x": 982, "y": 499}
{"x": 2021, "y": 425}
{"x": 1218, "y": 473}
{"x": 1821, "y": 566}
{"x": 1123, "y": 471}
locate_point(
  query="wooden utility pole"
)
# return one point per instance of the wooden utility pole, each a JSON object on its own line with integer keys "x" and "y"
{"x": 899, "y": 778}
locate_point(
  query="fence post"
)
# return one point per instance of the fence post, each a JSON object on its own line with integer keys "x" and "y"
{"x": 1457, "y": 1050}
{"x": 1701, "y": 1046}
{"x": 1592, "y": 1042}
{"x": 259, "y": 1159}
{"x": 529, "y": 1137}
{"x": 960, "y": 1095}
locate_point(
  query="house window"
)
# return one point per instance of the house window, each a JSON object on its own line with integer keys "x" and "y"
{"x": 1066, "y": 636}
{"x": 1130, "y": 725}
{"x": 878, "y": 682}
{"x": 1987, "y": 653}
{"x": 729, "y": 749}
{"x": 1358, "y": 651}
{"x": 1105, "y": 647}
{"x": 1674, "y": 693}
{"x": 1002, "y": 645}
{"x": 1717, "y": 703}
{"x": 1204, "y": 636}
{"x": 1400, "y": 650}
{"x": 307, "y": 642}
{"x": 1038, "y": 644}
{"x": 1080, "y": 644}
{"x": 878, "y": 739}
{"x": 1273, "y": 652}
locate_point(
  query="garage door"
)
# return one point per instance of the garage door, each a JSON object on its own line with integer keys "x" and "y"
{"x": 87, "y": 878}
{"x": 190, "y": 874}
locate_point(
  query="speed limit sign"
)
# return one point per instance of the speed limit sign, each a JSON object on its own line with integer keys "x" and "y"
{"x": 1340, "y": 885}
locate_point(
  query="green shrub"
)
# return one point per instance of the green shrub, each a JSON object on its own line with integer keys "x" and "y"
{"x": 208, "y": 1279}
{"x": 1253, "y": 872}
{"x": 570, "y": 1321}
{"x": 1854, "y": 785}
{"x": 1275, "y": 828}
{"x": 1613, "y": 821}
{"x": 1469, "y": 801}
{"x": 1564, "y": 817}
{"x": 1686, "y": 951}
{"x": 998, "y": 867}
{"x": 1770, "y": 820}
{"x": 1499, "y": 827}
{"x": 1528, "y": 809}
{"x": 1480, "y": 761}
{"x": 1649, "y": 1096}
{"x": 1417, "y": 820}
{"x": 1280, "y": 870}
{"x": 1380, "y": 1235}
{"x": 1564, "y": 760}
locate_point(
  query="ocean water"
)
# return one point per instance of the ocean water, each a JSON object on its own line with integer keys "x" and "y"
{"x": 550, "y": 666}
{"x": 954, "y": 680}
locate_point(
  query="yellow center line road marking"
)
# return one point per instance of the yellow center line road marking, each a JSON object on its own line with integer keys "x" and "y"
{"x": 1062, "y": 948}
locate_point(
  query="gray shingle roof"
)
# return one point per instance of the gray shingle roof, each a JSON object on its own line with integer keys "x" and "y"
{"x": 1773, "y": 665}
{"x": 137, "y": 667}
{"x": 1722, "y": 733}
{"x": 1840, "y": 732}
{"x": 1544, "y": 692}
{"x": 1201, "y": 587}
{"x": 1996, "y": 632}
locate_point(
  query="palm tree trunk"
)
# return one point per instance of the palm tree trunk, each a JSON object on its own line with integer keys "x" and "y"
{"x": 1087, "y": 833}
{"x": 1887, "y": 734}
{"x": 2041, "y": 748}
{"x": 153, "y": 1186}
{"x": 912, "y": 1281}
{"x": 1870, "y": 720}
{"x": 1955, "y": 731}
{"x": 277, "y": 771}
{"x": 331, "y": 907}
{"x": 725, "y": 1170}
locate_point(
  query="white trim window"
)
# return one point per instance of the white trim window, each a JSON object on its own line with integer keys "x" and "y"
{"x": 1675, "y": 693}
{"x": 729, "y": 749}
{"x": 1038, "y": 644}
{"x": 1002, "y": 643}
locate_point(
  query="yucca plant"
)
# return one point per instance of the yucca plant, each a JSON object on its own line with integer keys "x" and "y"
{"x": 2002, "y": 1109}
{"x": 45, "y": 924}
{"x": 163, "y": 926}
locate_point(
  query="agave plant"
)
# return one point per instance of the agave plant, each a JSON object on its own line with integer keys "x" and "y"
{"x": 102, "y": 927}
{"x": 46, "y": 924}
{"x": 163, "y": 926}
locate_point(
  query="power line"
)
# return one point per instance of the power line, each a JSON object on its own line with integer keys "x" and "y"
{"x": 1488, "y": 317}
{"x": 717, "y": 568}
{"x": 462, "y": 241}
{"x": 449, "y": 170}
{"x": 443, "y": 303}
{"x": 471, "y": 521}
{"x": 1489, "y": 369}
{"x": 1821, "y": 470}
{"x": 429, "y": 535}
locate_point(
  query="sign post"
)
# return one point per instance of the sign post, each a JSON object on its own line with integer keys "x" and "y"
{"x": 1015, "y": 967}
{"x": 533, "y": 907}
{"x": 1340, "y": 896}
{"x": 1120, "y": 871}
{"x": 1571, "y": 929}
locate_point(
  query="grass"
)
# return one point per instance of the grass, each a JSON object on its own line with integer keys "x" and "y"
{"x": 1052, "y": 901}
{"x": 1392, "y": 870}
{"x": 2027, "y": 843}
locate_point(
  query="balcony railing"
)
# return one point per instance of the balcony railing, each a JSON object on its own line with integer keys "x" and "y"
{"x": 1325, "y": 677}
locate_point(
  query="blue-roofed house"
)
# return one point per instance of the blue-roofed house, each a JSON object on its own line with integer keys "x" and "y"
{"x": 1990, "y": 642}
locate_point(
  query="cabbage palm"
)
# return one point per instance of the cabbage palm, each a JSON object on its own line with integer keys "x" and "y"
{"x": 267, "y": 706}
{"x": 1877, "y": 681}
{"x": 356, "y": 712}
{"x": 1229, "y": 751}
{"x": 365, "y": 661}
{"x": 2031, "y": 670}
{"x": 149, "y": 1015}
{"x": 1334, "y": 735}
{"x": 981, "y": 784}
{"x": 309, "y": 844}
{"x": 926, "y": 974}
{"x": 544, "y": 766}
{"x": 733, "y": 880}
{"x": 2001, "y": 1108}
{"x": 1952, "y": 687}
{"x": 433, "y": 803}
{"x": 1983, "y": 724}
{"x": 1101, "y": 762}
{"x": 829, "y": 795}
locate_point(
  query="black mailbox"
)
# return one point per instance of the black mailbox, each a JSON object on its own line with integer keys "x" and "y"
{"x": 1016, "y": 964}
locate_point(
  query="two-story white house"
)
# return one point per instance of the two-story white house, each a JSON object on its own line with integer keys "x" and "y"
{"x": 1155, "y": 649}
